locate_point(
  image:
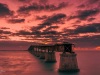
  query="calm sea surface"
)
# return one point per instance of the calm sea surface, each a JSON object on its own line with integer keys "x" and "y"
{"x": 24, "y": 63}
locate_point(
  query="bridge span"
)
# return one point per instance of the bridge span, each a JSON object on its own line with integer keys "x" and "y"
{"x": 68, "y": 59}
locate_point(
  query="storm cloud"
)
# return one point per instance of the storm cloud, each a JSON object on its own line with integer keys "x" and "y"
{"x": 54, "y": 19}
{"x": 16, "y": 21}
{"x": 89, "y": 28}
{"x": 5, "y": 11}
{"x": 86, "y": 28}
{"x": 84, "y": 14}
{"x": 35, "y": 7}
{"x": 4, "y": 32}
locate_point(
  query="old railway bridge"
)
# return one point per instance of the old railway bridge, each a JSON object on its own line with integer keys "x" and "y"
{"x": 68, "y": 60}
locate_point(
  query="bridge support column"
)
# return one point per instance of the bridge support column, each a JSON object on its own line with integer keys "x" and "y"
{"x": 50, "y": 57}
{"x": 68, "y": 62}
{"x": 35, "y": 50}
{"x": 31, "y": 49}
{"x": 37, "y": 53}
{"x": 32, "y": 52}
{"x": 42, "y": 55}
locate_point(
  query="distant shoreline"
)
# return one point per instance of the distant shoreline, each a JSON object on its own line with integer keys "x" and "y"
{"x": 57, "y": 51}
{"x": 13, "y": 50}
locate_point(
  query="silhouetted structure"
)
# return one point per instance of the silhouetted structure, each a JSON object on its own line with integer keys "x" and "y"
{"x": 68, "y": 60}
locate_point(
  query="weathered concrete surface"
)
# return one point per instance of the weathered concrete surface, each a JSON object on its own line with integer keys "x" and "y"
{"x": 38, "y": 53}
{"x": 50, "y": 57}
{"x": 42, "y": 55}
{"x": 68, "y": 62}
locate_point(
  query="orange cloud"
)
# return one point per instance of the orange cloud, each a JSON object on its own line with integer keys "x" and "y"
{"x": 98, "y": 48}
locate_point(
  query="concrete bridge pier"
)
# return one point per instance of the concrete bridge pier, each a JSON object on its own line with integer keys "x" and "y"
{"x": 42, "y": 54}
{"x": 68, "y": 60}
{"x": 34, "y": 52}
{"x": 31, "y": 49}
{"x": 50, "y": 55}
{"x": 37, "y": 52}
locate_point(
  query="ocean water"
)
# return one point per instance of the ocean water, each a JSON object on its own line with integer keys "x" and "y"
{"x": 24, "y": 63}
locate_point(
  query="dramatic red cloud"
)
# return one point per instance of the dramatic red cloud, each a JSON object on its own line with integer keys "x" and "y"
{"x": 49, "y": 21}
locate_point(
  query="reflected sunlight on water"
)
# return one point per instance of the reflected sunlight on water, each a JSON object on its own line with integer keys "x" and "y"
{"x": 24, "y": 63}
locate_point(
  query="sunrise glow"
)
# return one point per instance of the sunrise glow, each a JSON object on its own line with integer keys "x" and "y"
{"x": 50, "y": 21}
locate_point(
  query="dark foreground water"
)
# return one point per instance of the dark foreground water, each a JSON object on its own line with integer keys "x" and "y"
{"x": 24, "y": 63}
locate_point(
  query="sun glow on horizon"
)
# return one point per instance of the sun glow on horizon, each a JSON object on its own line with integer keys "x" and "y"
{"x": 98, "y": 48}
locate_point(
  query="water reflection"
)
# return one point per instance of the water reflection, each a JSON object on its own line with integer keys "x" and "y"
{"x": 24, "y": 63}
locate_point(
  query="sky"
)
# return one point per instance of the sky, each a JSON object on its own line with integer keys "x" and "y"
{"x": 27, "y": 22}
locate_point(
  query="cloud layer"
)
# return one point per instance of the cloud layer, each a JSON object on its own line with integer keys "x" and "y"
{"x": 50, "y": 21}
{"x": 5, "y": 11}
{"x": 37, "y": 7}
